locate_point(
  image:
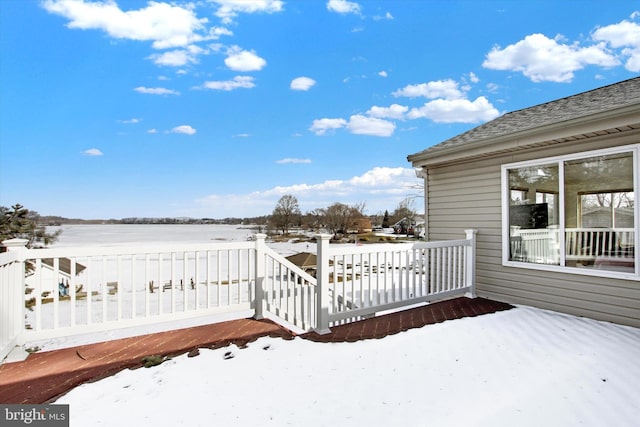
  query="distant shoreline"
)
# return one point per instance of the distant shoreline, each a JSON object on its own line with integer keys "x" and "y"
{"x": 53, "y": 221}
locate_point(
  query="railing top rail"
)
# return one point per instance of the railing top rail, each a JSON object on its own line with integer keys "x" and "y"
{"x": 341, "y": 249}
{"x": 600, "y": 229}
{"x": 442, "y": 244}
{"x": 394, "y": 247}
{"x": 8, "y": 258}
{"x": 132, "y": 250}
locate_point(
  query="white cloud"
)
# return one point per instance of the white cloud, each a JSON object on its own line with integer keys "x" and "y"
{"x": 362, "y": 125}
{"x": 387, "y": 16}
{"x": 178, "y": 57}
{"x": 492, "y": 87}
{"x": 174, "y": 58}
{"x": 384, "y": 178}
{"x": 290, "y": 160}
{"x": 130, "y": 121}
{"x": 229, "y": 9}
{"x": 379, "y": 188}
{"x": 322, "y": 126}
{"x": 618, "y": 35}
{"x": 164, "y": 24}
{"x": 456, "y": 111}
{"x": 243, "y": 60}
{"x": 394, "y": 111}
{"x": 357, "y": 125}
{"x": 92, "y": 152}
{"x": 449, "y": 104}
{"x": 382, "y": 73}
{"x": 447, "y": 89}
{"x": 156, "y": 91}
{"x": 474, "y": 78}
{"x": 152, "y": 131}
{"x": 543, "y": 59}
{"x": 216, "y": 32}
{"x": 184, "y": 129}
{"x": 238, "y": 82}
{"x": 302, "y": 83}
{"x": 626, "y": 36}
{"x": 343, "y": 6}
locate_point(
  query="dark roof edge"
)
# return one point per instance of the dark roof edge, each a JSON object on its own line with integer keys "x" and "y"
{"x": 459, "y": 152}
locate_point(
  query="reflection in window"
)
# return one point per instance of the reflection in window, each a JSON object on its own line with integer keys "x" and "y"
{"x": 599, "y": 212}
{"x": 533, "y": 214}
{"x": 606, "y": 209}
{"x": 598, "y": 201}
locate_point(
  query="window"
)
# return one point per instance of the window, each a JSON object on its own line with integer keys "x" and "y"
{"x": 576, "y": 212}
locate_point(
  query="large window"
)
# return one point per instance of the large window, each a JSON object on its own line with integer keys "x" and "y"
{"x": 576, "y": 212}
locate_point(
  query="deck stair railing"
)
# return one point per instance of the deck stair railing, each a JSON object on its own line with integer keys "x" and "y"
{"x": 51, "y": 293}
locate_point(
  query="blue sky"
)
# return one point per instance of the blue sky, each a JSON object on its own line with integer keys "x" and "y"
{"x": 217, "y": 108}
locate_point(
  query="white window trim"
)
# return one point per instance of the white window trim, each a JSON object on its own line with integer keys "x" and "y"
{"x": 559, "y": 160}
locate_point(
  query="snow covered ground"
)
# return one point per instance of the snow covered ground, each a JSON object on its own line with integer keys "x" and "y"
{"x": 521, "y": 367}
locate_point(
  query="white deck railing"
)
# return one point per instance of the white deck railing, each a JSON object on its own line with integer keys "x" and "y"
{"x": 369, "y": 279}
{"x": 49, "y": 293}
{"x": 581, "y": 244}
{"x": 588, "y": 243}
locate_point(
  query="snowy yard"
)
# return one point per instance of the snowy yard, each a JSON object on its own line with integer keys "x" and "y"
{"x": 521, "y": 367}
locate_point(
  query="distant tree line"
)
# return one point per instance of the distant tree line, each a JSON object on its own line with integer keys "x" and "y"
{"x": 52, "y": 221}
{"x": 338, "y": 218}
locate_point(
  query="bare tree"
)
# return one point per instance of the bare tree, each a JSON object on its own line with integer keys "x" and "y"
{"x": 314, "y": 219}
{"x": 286, "y": 213}
{"x": 339, "y": 218}
{"x": 405, "y": 214}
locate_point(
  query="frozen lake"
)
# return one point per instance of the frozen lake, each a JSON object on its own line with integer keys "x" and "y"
{"x": 131, "y": 234}
{"x": 165, "y": 234}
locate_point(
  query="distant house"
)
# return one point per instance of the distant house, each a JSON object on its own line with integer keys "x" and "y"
{"x": 551, "y": 190}
{"x": 359, "y": 226}
{"x": 409, "y": 226}
{"x": 364, "y": 225}
{"x": 306, "y": 261}
{"x": 47, "y": 272}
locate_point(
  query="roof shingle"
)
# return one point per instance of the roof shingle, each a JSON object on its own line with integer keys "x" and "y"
{"x": 595, "y": 101}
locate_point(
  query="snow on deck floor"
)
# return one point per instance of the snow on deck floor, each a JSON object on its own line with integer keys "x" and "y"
{"x": 520, "y": 367}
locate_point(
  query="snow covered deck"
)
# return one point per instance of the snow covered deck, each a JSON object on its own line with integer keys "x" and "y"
{"x": 53, "y": 371}
{"x": 517, "y": 367}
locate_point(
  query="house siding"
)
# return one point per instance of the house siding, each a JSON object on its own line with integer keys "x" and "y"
{"x": 468, "y": 195}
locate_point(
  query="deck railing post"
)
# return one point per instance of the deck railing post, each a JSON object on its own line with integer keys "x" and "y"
{"x": 470, "y": 275}
{"x": 13, "y": 308}
{"x": 260, "y": 276}
{"x": 322, "y": 280}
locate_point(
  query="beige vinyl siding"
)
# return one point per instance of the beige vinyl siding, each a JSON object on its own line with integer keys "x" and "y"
{"x": 468, "y": 195}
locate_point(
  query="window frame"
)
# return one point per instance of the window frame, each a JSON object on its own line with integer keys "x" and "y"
{"x": 634, "y": 149}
